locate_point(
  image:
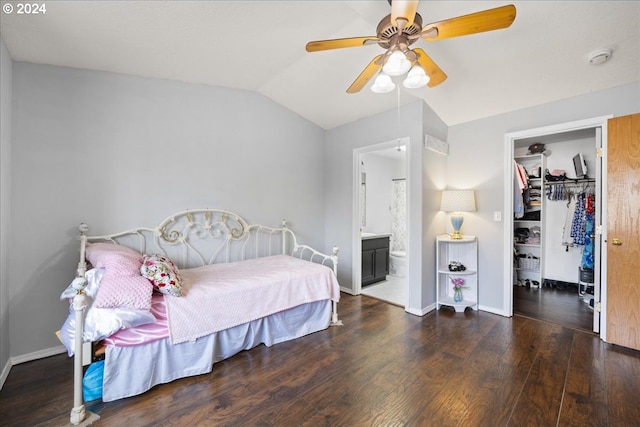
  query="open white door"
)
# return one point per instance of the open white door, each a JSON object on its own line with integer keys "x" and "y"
{"x": 597, "y": 259}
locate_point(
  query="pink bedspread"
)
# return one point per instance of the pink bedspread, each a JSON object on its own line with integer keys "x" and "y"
{"x": 220, "y": 296}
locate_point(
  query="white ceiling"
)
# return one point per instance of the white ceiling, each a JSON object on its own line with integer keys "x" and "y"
{"x": 260, "y": 46}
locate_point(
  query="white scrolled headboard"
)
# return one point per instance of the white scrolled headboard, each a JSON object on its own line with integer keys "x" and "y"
{"x": 198, "y": 237}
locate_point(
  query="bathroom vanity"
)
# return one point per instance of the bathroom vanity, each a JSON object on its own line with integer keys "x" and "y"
{"x": 375, "y": 258}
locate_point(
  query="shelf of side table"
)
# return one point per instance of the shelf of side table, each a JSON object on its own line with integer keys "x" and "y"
{"x": 465, "y": 251}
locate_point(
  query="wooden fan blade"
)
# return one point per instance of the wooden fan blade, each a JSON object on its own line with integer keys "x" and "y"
{"x": 436, "y": 75}
{"x": 404, "y": 9}
{"x": 487, "y": 20}
{"x": 316, "y": 46}
{"x": 366, "y": 74}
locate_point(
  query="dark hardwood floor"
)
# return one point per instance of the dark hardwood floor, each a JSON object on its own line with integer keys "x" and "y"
{"x": 384, "y": 367}
{"x": 564, "y": 307}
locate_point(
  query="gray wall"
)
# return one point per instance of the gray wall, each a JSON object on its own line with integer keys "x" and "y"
{"x": 340, "y": 144}
{"x": 477, "y": 161}
{"x": 118, "y": 151}
{"x": 434, "y": 171}
{"x": 6, "y": 65}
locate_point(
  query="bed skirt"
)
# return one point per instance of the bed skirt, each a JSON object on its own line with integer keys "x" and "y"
{"x": 129, "y": 371}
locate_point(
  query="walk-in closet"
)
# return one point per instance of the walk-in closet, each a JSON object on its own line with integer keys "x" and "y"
{"x": 556, "y": 207}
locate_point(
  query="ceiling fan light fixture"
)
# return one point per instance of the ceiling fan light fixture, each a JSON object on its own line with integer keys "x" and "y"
{"x": 382, "y": 84}
{"x": 397, "y": 64}
{"x": 416, "y": 78}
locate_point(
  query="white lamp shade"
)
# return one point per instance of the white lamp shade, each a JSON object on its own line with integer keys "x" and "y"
{"x": 382, "y": 84}
{"x": 458, "y": 201}
{"x": 397, "y": 64}
{"x": 416, "y": 78}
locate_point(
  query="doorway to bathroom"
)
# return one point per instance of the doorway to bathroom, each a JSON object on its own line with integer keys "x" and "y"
{"x": 382, "y": 213}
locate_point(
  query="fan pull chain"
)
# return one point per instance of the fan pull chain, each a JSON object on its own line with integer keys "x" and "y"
{"x": 398, "y": 128}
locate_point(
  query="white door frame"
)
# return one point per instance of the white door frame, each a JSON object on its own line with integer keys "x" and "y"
{"x": 510, "y": 138}
{"x": 356, "y": 269}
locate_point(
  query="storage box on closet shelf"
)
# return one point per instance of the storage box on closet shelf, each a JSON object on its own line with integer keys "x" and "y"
{"x": 528, "y": 236}
{"x": 534, "y": 236}
{"x": 534, "y": 171}
{"x": 528, "y": 262}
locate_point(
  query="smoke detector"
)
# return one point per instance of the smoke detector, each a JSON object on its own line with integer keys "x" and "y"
{"x": 600, "y": 56}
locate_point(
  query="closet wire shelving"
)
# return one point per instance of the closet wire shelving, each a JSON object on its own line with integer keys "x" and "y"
{"x": 532, "y": 273}
{"x": 529, "y": 270}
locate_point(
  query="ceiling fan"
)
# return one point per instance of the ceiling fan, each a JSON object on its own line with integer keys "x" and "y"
{"x": 403, "y": 27}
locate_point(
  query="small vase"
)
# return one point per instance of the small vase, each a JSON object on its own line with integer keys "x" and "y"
{"x": 457, "y": 295}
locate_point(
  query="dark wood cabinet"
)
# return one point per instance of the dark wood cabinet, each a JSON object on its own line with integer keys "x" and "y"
{"x": 375, "y": 260}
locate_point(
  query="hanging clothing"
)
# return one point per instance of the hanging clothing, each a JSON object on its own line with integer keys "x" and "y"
{"x": 579, "y": 221}
{"x": 587, "y": 253}
{"x": 590, "y": 203}
{"x": 521, "y": 174}
{"x": 590, "y": 226}
{"x": 567, "y": 240}
{"x": 584, "y": 214}
{"x": 518, "y": 186}
{"x": 557, "y": 192}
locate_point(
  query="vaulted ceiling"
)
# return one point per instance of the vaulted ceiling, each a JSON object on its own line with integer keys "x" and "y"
{"x": 260, "y": 46}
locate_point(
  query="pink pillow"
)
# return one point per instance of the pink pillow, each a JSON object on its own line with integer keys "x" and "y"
{"x": 121, "y": 285}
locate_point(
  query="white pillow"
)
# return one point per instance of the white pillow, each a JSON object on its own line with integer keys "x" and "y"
{"x": 93, "y": 277}
{"x": 99, "y": 323}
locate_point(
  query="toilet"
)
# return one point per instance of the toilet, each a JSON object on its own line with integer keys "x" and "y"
{"x": 397, "y": 263}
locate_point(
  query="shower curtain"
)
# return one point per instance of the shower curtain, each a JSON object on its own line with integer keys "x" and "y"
{"x": 398, "y": 215}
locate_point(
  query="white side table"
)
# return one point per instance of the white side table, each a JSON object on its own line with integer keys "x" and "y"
{"x": 465, "y": 251}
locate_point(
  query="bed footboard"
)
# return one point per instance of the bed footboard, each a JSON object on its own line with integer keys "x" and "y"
{"x": 78, "y": 412}
{"x": 310, "y": 254}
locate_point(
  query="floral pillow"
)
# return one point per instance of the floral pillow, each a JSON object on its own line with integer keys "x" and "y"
{"x": 163, "y": 273}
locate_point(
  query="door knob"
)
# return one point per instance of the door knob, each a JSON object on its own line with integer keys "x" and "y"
{"x": 616, "y": 242}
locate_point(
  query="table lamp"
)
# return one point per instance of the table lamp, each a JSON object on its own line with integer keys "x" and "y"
{"x": 458, "y": 201}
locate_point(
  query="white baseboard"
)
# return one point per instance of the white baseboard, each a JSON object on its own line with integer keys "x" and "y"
{"x": 347, "y": 290}
{"x": 41, "y": 354}
{"x": 432, "y": 307}
{"x": 5, "y": 373}
{"x": 493, "y": 310}
{"x": 421, "y": 312}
